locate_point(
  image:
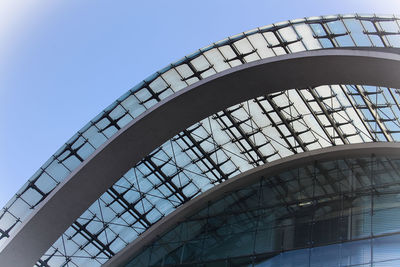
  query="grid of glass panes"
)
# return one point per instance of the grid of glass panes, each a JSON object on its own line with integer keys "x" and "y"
{"x": 216, "y": 149}
{"x": 208, "y": 153}
{"x": 337, "y": 213}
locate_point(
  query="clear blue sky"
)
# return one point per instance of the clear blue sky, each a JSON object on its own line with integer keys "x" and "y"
{"x": 62, "y": 62}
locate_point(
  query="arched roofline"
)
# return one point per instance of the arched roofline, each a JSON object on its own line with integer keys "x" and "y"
{"x": 245, "y": 179}
{"x": 182, "y": 109}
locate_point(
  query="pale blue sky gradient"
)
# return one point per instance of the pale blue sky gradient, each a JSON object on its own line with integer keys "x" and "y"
{"x": 63, "y": 62}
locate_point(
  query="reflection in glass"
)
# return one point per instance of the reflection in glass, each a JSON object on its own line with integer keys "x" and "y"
{"x": 343, "y": 212}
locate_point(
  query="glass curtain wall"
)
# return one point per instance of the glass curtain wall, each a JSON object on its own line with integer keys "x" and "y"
{"x": 344, "y": 212}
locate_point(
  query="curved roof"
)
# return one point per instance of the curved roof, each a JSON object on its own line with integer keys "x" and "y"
{"x": 221, "y": 146}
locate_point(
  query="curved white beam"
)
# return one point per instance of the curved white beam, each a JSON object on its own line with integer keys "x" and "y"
{"x": 182, "y": 109}
{"x": 247, "y": 178}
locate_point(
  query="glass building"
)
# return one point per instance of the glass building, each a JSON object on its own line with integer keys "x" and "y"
{"x": 274, "y": 147}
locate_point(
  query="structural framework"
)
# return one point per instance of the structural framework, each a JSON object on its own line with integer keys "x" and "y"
{"x": 303, "y": 115}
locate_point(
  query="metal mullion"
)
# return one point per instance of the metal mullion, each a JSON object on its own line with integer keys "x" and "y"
{"x": 113, "y": 122}
{"x": 330, "y": 35}
{"x": 178, "y": 168}
{"x": 72, "y": 151}
{"x": 395, "y": 101}
{"x": 98, "y": 131}
{"x": 213, "y": 139}
{"x": 365, "y": 171}
{"x": 166, "y": 180}
{"x": 283, "y": 44}
{"x": 196, "y": 73}
{"x": 222, "y": 176}
{"x": 102, "y": 219}
{"x": 328, "y": 177}
{"x": 130, "y": 207}
{"x": 168, "y": 85}
{"x": 274, "y": 124}
{"x": 44, "y": 263}
{"x": 138, "y": 185}
{"x": 143, "y": 195}
{"x": 302, "y": 121}
{"x": 282, "y": 197}
{"x": 327, "y": 115}
{"x": 252, "y": 144}
{"x": 92, "y": 239}
{"x": 252, "y": 121}
{"x": 298, "y": 35}
{"x": 221, "y": 146}
{"x": 258, "y": 216}
{"x": 348, "y": 31}
{"x": 388, "y": 117}
{"x": 135, "y": 216}
{"x": 217, "y": 146}
{"x": 391, "y": 165}
{"x": 33, "y": 186}
{"x": 116, "y": 199}
{"x": 257, "y": 127}
{"x": 180, "y": 137}
{"x": 297, "y": 180}
{"x": 111, "y": 222}
{"x": 119, "y": 224}
{"x": 147, "y": 194}
{"x": 310, "y": 174}
{"x": 383, "y": 34}
{"x": 346, "y": 118}
{"x": 394, "y": 118}
{"x": 268, "y": 44}
{"x": 5, "y": 233}
{"x": 237, "y": 201}
{"x": 240, "y": 56}
{"x": 235, "y": 140}
{"x": 126, "y": 113}
{"x": 306, "y": 103}
{"x": 314, "y": 34}
{"x": 284, "y": 120}
{"x": 183, "y": 169}
{"x": 244, "y": 137}
{"x": 360, "y": 115}
{"x": 199, "y": 155}
{"x": 109, "y": 229}
{"x": 254, "y": 49}
{"x": 84, "y": 257}
{"x": 374, "y": 113}
{"x": 364, "y": 30}
{"x": 223, "y": 56}
{"x": 374, "y": 20}
{"x": 131, "y": 185}
{"x": 65, "y": 251}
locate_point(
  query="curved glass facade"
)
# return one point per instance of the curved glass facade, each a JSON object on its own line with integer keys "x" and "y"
{"x": 344, "y": 212}
{"x": 221, "y": 146}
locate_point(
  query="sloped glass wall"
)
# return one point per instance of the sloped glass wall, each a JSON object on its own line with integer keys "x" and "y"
{"x": 344, "y": 212}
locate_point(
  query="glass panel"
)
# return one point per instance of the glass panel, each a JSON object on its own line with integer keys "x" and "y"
{"x": 286, "y": 215}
